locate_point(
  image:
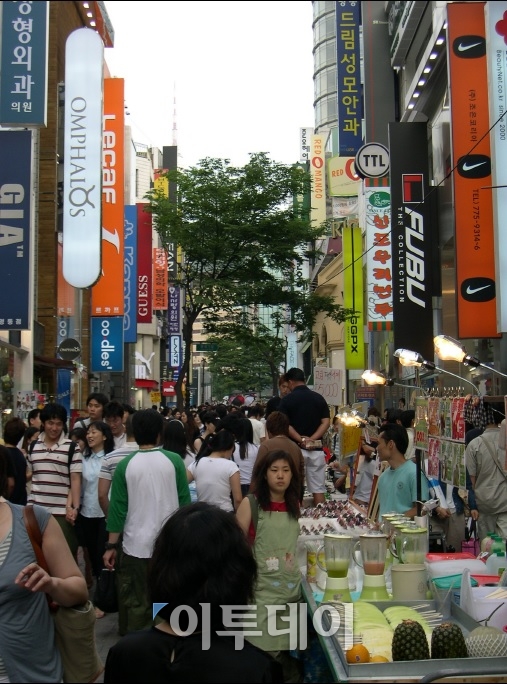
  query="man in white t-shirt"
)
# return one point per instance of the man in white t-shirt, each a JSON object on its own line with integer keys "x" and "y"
{"x": 255, "y": 414}
{"x": 148, "y": 486}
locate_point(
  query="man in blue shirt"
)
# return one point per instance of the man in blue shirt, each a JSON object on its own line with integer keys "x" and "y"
{"x": 397, "y": 485}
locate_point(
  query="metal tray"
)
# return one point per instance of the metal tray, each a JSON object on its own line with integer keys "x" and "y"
{"x": 408, "y": 670}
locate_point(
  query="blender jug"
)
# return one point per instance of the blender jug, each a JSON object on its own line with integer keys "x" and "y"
{"x": 337, "y": 554}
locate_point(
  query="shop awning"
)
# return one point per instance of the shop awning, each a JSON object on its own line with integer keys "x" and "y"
{"x": 52, "y": 362}
{"x": 146, "y": 384}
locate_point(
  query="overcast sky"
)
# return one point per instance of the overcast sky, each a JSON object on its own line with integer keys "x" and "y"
{"x": 241, "y": 73}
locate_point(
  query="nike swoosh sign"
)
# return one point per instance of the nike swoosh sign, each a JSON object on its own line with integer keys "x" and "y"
{"x": 469, "y": 47}
{"x": 473, "y": 290}
{"x": 474, "y": 166}
{"x": 479, "y": 289}
{"x": 462, "y": 48}
{"x": 469, "y": 167}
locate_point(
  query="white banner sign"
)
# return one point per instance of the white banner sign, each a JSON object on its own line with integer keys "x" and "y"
{"x": 329, "y": 383}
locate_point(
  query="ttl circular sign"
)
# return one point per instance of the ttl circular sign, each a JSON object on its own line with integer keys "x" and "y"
{"x": 372, "y": 161}
{"x": 69, "y": 349}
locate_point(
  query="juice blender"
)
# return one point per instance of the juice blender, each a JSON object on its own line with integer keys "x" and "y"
{"x": 337, "y": 554}
{"x": 399, "y": 527}
{"x": 373, "y": 553}
{"x": 414, "y": 545}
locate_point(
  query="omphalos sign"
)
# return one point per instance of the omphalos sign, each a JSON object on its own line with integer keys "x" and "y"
{"x": 69, "y": 349}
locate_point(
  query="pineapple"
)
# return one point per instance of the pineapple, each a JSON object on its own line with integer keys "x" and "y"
{"x": 409, "y": 642}
{"x": 486, "y": 642}
{"x": 447, "y": 641}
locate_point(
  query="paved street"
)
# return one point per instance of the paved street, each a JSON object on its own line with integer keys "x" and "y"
{"x": 106, "y": 632}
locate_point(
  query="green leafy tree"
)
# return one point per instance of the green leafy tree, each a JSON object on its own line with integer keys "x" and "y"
{"x": 236, "y": 367}
{"x": 243, "y": 240}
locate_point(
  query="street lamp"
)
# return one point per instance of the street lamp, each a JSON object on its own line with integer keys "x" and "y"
{"x": 373, "y": 377}
{"x": 408, "y": 357}
{"x": 449, "y": 349}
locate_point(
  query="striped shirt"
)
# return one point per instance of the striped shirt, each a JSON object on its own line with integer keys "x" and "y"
{"x": 50, "y": 473}
{"x": 111, "y": 460}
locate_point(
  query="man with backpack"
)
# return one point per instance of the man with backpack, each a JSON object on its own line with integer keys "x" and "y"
{"x": 54, "y": 464}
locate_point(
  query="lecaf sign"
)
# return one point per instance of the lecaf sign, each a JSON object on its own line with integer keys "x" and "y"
{"x": 82, "y": 176}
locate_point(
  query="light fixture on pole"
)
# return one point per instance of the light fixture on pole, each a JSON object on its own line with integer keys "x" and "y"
{"x": 407, "y": 357}
{"x": 449, "y": 349}
{"x": 373, "y": 377}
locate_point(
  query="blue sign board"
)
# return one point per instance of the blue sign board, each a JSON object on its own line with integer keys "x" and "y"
{"x": 107, "y": 344}
{"x": 15, "y": 174}
{"x": 24, "y": 59}
{"x": 173, "y": 310}
{"x": 130, "y": 275}
{"x": 350, "y": 89}
{"x": 63, "y": 388}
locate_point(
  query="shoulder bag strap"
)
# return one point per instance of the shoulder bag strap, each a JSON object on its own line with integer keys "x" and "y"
{"x": 254, "y": 505}
{"x": 35, "y": 535}
{"x": 494, "y": 457}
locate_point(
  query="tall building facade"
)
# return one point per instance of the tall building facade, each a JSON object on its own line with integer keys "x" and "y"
{"x": 428, "y": 97}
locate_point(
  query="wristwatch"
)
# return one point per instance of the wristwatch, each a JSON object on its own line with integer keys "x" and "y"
{"x": 109, "y": 546}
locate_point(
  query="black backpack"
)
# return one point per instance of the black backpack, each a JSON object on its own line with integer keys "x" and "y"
{"x": 72, "y": 449}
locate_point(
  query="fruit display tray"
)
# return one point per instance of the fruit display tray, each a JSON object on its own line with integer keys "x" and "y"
{"x": 474, "y": 669}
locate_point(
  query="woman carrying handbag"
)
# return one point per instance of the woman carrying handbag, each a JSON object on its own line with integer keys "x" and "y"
{"x": 27, "y": 631}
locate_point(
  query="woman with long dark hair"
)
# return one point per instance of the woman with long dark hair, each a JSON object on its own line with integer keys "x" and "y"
{"x": 269, "y": 518}
{"x": 245, "y": 451}
{"x": 174, "y": 438}
{"x": 91, "y": 522}
{"x": 202, "y": 564}
{"x": 216, "y": 476}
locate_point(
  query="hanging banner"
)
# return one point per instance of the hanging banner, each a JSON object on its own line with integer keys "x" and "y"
{"x": 379, "y": 257}
{"x": 24, "y": 60}
{"x": 412, "y": 237}
{"x": 15, "y": 224}
{"x": 130, "y": 275}
{"x": 106, "y": 344}
{"x": 350, "y": 89}
{"x": 144, "y": 265}
{"x": 63, "y": 387}
{"x": 159, "y": 279}
{"x": 82, "y": 170}
{"x": 107, "y": 293}
{"x": 318, "y": 193}
{"x": 173, "y": 313}
{"x": 496, "y": 31}
{"x": 476, "y": 289}
{"x": 353, "y": 297}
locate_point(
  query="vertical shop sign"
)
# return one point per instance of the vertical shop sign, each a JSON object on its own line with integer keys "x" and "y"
{"x": 317, "y": 172}
{"x": 353, "y": 297}
{"x": 107, "y": 344}
{"x": 496, "y": 38}
{"x": 130, "y": 275}
{"x": 82, "y": 168}
{"x": 476, "y": 289}
{"x": 350, "y": 90}
{"x": 379, "y": 273}
{"x": 412, "y": 237}
{"x": 173, "y": 314}
{"x": 144, "y": 266}
{"x": 107, "y": 293}
{"x": 159, "y": 279}
{"x": 15, "y": 223}
{"x": 24, "y": 60}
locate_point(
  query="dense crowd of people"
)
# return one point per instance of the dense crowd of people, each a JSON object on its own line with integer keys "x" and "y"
{"x": 197, "y": 506}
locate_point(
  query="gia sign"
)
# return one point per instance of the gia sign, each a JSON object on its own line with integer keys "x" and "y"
{"x": 82, "y": 181}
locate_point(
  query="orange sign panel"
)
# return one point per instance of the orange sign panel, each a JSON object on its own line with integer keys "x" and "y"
{"x": 107, "y": 294}
{"x": 471, "y": 161}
